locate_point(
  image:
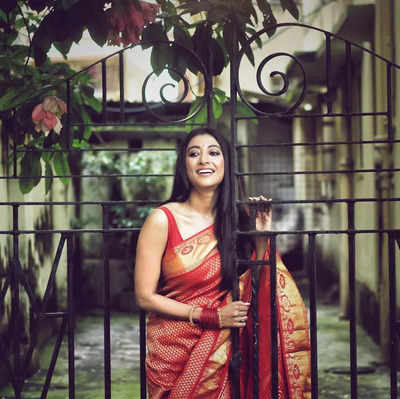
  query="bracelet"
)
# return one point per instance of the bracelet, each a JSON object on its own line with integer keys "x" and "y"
{"x": 192, "y": 309}
{"x": 219, "y": 317}
{"x": 209, "y": 318}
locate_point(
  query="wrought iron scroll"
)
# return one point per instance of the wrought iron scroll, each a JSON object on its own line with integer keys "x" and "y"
{"x": 186, "y": 84}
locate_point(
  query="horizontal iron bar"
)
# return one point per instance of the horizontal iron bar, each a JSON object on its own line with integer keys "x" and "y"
{"x": 324, "y": 201}
{"x": 98, "y": 149}
{"x": 290, "y": 116}
{"x": 53, "y": 315}
{"x": 317, "y": 172}
{"x": 303, "y": 172}
{"x": 136, "y": 124}
{"x": 90, "y": 176}
{"x": 156, "y": 202}
{"x": 318, "y": 143}
{"x": 289, "y": 232}
{"x": 251, "y": 232}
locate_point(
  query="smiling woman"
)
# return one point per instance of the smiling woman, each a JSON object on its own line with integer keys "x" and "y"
{"x": 183, "y": 277}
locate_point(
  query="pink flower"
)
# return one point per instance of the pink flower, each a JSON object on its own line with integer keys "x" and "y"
{"x": 54, "y": 105}
{"x": 46, "y": 116}
{"x": 127, "y": 22}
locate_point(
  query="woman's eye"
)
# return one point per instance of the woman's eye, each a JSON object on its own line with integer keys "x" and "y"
{"x": 214, "y": 153}
{"x": 193, "y": 154}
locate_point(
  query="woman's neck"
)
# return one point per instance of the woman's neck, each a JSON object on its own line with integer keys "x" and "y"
{"x": 202, "y": 202}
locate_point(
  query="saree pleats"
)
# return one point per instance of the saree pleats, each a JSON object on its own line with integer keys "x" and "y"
{"x": 185, "y": 361}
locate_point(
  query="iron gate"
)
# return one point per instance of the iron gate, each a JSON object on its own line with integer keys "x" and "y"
{"x": 14, "y": 279}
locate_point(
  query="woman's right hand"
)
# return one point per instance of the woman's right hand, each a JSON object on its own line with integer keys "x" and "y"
{"x": 234, "y": 314}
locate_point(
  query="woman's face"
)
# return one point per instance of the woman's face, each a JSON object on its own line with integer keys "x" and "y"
{"x": 204, "y": 162}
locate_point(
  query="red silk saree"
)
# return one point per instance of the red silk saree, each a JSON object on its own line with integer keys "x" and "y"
{"x": 186, "y": 361}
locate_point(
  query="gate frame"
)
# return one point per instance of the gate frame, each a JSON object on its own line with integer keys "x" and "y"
{"x": 14, "y": 278}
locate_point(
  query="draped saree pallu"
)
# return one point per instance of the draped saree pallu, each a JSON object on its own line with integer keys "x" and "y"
{"x": 185, "y": 361}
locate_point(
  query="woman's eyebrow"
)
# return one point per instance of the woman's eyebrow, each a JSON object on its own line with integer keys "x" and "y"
{"x": 198, "y": 147}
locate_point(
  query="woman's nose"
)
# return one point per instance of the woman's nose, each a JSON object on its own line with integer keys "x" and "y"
{"x": 203, "y": 158}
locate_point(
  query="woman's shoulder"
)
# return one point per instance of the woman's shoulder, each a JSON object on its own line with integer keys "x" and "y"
{"x": 174, "y": 207}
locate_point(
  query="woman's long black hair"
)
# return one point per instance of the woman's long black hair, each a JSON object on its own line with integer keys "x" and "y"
{"x": 223, "y": 207}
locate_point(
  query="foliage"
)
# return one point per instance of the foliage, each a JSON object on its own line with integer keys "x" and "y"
{"x": 141, "y": 187}
{"x": 22, "y": 87}
{"x": 213, "y": 29}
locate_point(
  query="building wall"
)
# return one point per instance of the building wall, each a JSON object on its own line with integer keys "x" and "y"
{"x": 369, "y": 94}
{"x": 36, "y": 253}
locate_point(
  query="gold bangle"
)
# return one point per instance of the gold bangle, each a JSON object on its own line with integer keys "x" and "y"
{"x": 191, "y": 314}
{"x": 219, "y": 317}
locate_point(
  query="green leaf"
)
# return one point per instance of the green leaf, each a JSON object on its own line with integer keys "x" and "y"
{"x": 220, "y": 95}
{"x": 160, "y": 57}
{"x": 63, "y": 47}
{"x": 98, "y": 28}
{"x": 243, "y": 110}
{"x": 291, "y": 6}
{"x": 15, "y": 96}
{"x": 270, "y": 23}
{"x": 30, "y": 167}
{"x": 228, "y": 37}
{"x": 3, "y": 16}
{"x": 243, "y": 41}
{"x": 218, "y": 14}
{"x": 217, "y": 53}
{"x": 200, "y": 117}
{"x": 265, "y": 7}
{"x": 47, "y": 155}
{"x": 61, "y": 166}
{"x": 87, "y": 132}
{"x": 49, "y": 175}
{"x": 93, "y": 103}
{"x": 153, "y": 33}
{"x": 182, "y": 38}
{"x": 216, "y": 107}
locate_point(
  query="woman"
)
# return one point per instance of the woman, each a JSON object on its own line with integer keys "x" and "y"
{"x": 183, "y": 277}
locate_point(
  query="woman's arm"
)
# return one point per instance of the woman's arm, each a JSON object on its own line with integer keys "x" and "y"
{"x": 150, "y": 248}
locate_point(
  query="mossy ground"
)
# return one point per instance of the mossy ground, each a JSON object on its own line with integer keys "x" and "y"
{"x": 333, "y": 356}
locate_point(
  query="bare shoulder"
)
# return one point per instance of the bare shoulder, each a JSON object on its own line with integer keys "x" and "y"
{"x": 156, "y": 220}
{"x": 174, "y": 207}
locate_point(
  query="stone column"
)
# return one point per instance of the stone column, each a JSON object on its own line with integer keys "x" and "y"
{"x": 384, "y": 158}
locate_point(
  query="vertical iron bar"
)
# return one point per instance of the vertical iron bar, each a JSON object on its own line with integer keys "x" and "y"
{"x": 389, "y": 101}
{"x": 328, "y": 72}
{"x": 255, "y": 273}
{"x": 69, "y": 108}
{"x": 71, "y": 318}
{"x": 274, "y": 320}
{"x": 107, "y": 335}
{"x": 210, "y": 115}
{"x": 104, "y": 89}
{"x": 235, "y": 361}
{"x": 15, "y": 305}
{"x": 142, "y": 326}
{"x": 121, "y": 88}
{"x": 392, "y": 315}
{"x": 312, "y": 275}
{"x": 352, "y": 310}
{"x": 15, "y": 154}
{"x": 351, "y": 237}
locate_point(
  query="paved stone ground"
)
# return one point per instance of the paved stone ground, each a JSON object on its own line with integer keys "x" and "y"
{"x": 333, "y": 352}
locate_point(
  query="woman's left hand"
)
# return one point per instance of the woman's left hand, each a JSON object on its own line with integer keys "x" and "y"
{"x": 263, "y": 215}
